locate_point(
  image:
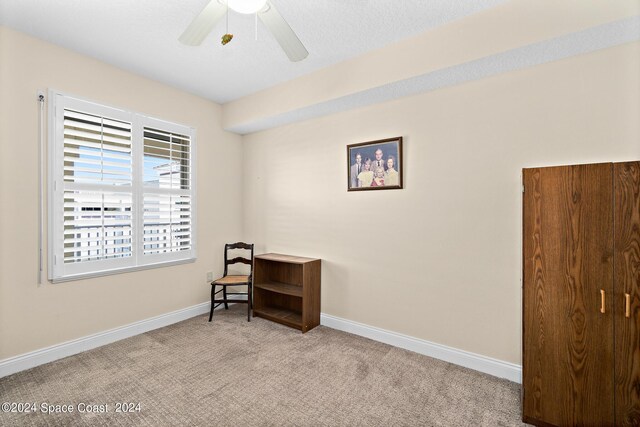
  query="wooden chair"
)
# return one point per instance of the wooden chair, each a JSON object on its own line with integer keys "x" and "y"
{"x": 233, "y": 280}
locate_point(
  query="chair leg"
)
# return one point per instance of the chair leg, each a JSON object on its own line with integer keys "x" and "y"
{"x": 224, "y": 295}
{"x": 213, "y": 288}
{"x": 249, "y": 303}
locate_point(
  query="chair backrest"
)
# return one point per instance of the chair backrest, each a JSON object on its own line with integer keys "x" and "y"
{"x": 238, "y": 245}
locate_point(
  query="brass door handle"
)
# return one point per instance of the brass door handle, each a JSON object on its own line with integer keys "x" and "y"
{"x": 627, "y": 305}
{"x": 602, "y": 310}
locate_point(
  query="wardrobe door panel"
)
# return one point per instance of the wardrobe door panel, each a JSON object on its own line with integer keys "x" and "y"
{"x": 567, "y": 340}
{"x": 627, "y": 293}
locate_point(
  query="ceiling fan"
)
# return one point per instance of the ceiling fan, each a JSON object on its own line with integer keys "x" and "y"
{"x": 213, "y": 12}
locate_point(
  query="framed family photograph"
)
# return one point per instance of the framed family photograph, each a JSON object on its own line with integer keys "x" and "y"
{"x": 375, "y": 165}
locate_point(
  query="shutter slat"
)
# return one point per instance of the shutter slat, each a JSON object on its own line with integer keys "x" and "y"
{"x": 93, "y": 170}
{"x": 93, "y": 239}
{"x": 85, "y": 117}
{"x": 79, "y": 137}
{"x": 97, "y": 154}
{"x": 96, "y": 247}
{"x": 89, "y": 180}
{"x": 96, "y": 257}
{"x": 84, "y": 160}
{"x": 151, "y": 228}
{"x": 68, "y": 122}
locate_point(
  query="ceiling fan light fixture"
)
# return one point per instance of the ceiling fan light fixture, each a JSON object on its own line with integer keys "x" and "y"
{"x": 216, "y": 10}
{"x": 246, "y": 6}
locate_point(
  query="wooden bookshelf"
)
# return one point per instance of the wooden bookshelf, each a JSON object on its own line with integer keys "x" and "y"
{"x": 286, "y": 289}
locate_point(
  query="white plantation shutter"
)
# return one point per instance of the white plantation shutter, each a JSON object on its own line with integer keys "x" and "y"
{"x": 97, "y": 225}
{"x": 167, "y": 223}
{"x": 167, "y": 190}
{"x": 166, "y": 159}
{"x": 121, "y": 190}
{"x": 97, "y": 150}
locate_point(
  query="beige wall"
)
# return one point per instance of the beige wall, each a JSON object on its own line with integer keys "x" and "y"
{"x": 447, "y": 264}
{"x": 33, "y": 317}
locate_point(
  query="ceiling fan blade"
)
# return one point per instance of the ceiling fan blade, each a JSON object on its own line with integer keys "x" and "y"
{"x": 203, "y": 23}
{"x": 283, "y": 33}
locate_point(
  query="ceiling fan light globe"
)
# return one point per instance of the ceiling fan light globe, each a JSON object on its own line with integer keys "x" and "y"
{"x": 247, "y": 6}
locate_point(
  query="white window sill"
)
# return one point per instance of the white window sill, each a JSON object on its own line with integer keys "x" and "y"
{"x": 120, "y": 270}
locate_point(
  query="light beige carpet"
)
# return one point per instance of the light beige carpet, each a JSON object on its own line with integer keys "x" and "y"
{"x": 234, "y": 373}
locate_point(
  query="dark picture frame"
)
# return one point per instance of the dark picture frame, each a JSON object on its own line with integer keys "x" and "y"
{"x": 388, "y": 151}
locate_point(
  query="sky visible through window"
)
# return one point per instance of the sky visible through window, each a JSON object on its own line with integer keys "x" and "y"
{"x": 151, "y": 163}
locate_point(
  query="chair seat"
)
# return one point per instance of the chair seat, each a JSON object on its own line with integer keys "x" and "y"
{"x": 231, "y": 280}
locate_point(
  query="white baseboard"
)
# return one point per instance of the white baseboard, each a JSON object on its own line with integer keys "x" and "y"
{"x": 488, "y": 365}
{"x": 69, "y": 348}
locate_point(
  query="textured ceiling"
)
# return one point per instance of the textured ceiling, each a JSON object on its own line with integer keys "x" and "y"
{"x": 142, "y": 36}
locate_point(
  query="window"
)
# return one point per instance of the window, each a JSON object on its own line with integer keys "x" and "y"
{"x": 121, "y": 190}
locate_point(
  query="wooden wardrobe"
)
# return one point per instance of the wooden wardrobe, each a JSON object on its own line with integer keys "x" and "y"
{"x": 581, "y": 295}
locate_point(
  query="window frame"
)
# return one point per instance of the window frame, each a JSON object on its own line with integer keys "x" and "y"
{"x": 58, "y": 271}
